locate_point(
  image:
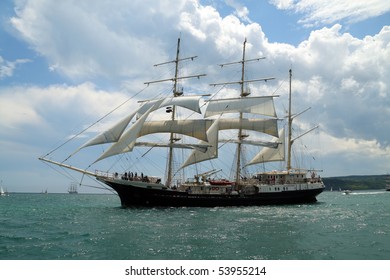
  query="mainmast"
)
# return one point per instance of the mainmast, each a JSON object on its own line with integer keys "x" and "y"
{"x": 243, "y": 93}
{"x": 290, "y": 119}
{"x": 176, "y": 92}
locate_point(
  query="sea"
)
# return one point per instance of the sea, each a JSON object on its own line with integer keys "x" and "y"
{"x": 95, "y": 227}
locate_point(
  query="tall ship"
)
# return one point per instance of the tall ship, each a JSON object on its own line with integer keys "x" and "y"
{"x": 243, "y": 114}
{"x": 73, "y": 188}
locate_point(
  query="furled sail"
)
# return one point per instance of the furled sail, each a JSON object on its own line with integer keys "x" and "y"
{"x": 212, "y": 152}
{"x": 263, "y": 105}
{"x": 271, "y": 154}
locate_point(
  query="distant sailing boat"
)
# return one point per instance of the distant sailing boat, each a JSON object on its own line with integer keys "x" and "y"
{"x": 73, "y": 188}
{"x": 276, "y": 187}
{"x": 2, "y": 192}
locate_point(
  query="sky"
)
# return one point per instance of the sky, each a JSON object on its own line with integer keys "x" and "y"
{"x": 65, "y": 64}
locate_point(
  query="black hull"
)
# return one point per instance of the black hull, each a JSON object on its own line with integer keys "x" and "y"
{"x": 149, "y": 197}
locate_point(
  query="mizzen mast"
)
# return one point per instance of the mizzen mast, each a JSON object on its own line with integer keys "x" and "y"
{"x": 290, "y": 119}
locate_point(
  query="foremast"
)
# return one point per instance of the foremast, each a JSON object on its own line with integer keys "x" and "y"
{"x": 239, "y": 145}
{"x": 176, "y": 93}
{"x": 173, "y": 137}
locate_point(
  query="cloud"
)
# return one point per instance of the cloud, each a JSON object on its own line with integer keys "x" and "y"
{"x": 84, "y": 41}
{"x": 344, "y": 79}
{"x": 240, "y": 10}
{"x": 7, "y": 68}
{"x": 352, "y": 156}
{"x": 325, "y": 12}
{"x": 48, "y": 108}
{"x": 122, "y": 39}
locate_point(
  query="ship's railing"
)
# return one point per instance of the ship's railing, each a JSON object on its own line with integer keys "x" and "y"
{"x": 284, "y": 180}
{"x": 128, "y": 176}
{"x": 104, "y": 174}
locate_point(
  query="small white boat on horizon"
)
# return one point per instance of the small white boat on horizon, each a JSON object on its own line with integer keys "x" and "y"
{"x": 2, "y": 192}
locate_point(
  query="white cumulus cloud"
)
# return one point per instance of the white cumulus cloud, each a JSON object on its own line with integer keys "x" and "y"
{"x": 344, "y": 79}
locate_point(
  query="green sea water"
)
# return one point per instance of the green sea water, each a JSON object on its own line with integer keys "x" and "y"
{"x": 95, "y": 227}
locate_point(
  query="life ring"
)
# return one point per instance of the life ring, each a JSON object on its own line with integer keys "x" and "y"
{"x": 215, "y": 188}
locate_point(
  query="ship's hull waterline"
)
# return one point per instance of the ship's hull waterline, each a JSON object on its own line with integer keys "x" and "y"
{"x": 150, "y": 195}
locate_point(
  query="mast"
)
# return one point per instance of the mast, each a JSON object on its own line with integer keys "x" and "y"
{"x": 290, "y": 119}
{"x": 176, "y": 92}
{"x": 172, "y": 135}
{"x": 243, "y": 94}
{"x": 238, "y": 167}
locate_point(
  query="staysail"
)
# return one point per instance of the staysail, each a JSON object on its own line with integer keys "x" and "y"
{"x": 269, "y": 154}
{"x": 212, "y": 152}
{"x": 127, "y": 141}
{"x": 115, "y": 132}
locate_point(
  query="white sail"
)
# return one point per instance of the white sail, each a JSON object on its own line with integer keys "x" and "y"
{"x": 127, "y": 141}
{"x": 271, "y": 154}
{"x": 268, "y": 126}
{"x": 189, "y": 102}
{"x": 111, "y": 135}
{"x": 263, "y": 105}
{"x": 212, "y": 152}
{"x": 115, "y": 132}
{"x": 195, "y": 128}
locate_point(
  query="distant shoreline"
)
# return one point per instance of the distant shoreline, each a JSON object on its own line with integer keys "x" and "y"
{"x": 356, "y": 182}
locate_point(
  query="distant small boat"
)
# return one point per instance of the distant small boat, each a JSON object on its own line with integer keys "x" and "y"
{"x": 2, "y": 192}
{"x": 73, "y": 188}
{"x": 347, "y": 192}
